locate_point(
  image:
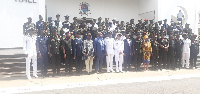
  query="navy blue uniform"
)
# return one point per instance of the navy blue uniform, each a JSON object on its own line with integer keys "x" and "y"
{"x": 39, "y": 26}
{"x": 42, "y": 45}
{"x": 66, "y": 25}
{"x": 194, "y": 51}
{"x": 78, "y": 48}
{"x": 178, "y": 53}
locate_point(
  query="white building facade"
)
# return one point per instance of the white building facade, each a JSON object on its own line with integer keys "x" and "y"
{"x": 14, "y": 13}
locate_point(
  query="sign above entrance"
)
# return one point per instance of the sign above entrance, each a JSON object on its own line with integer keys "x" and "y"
{"x": 27, "y": 1}
{"x": 84, "y": 9}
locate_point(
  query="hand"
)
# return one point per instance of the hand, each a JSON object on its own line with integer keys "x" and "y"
{"x": 26, "y": 55}
{"x": 124, "y": 54}
{"x": 106, "y": 54}
{"x": 65, "y": 56}
{"x": 50, "y": 54}
{"x": 40, "y": 55}
{"x": 133, "y": 53}
{"x": 74, "y": 56}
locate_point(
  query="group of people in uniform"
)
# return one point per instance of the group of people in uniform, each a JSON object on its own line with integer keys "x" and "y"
{"x": 125, "y": 45}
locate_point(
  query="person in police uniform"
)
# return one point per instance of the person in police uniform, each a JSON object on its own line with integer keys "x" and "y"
{"x": 58, "y": 23}
{"x": 99, "y": 23}
{"x": 171, "y": 53}
{"x": 29, "y": 47}
{"x": 49, "y": 26}
{"x": 43, "y": 52}
{"x": 78, "y": 49}
{"x": 155, "y": 50}
{"x": 67, "y": 51}
{"x": 74, "y": 25}
{"x": 194, "y": 51}
{"x": 66, "y": 24}
{"x": 178, "y": 51}
{"x": 54, "y": 52}
{"x": 163, "y": 49}
{"x": 119, "y": 52}
{"x": 28, "y": 25}
{"x": 109, "y": 50}
{"x": 137, "y": 51}
{"x": 39, "y": 24}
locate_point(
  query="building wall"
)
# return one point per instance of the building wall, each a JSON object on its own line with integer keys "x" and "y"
{"x": 147, "y": 8}
{"x": 13, "y": 16}
{"x": 119, "y": 9}
{"x": 169, "y": 8}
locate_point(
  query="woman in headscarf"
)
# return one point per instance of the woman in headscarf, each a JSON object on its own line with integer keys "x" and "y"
{"x": 147, "y": 50}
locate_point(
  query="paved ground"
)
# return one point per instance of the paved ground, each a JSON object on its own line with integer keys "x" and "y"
{"x": 13, "y": 79}
{"x": 181, "y": 86}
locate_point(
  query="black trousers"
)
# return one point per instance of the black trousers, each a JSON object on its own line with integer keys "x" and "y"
{"x": 193, "y": 59}
{"x": 79, "y": 64}
{"x": 154, "y": 60}
{"x": 56, "y": 63}
{"x": 178, "y": 59}
{"x": 170, "y": 61}
{"x": 138, "y": 59}
{"x": 127, "y": 62}
{"x": 162, "y": 60}
{"x": 68, "y": 63}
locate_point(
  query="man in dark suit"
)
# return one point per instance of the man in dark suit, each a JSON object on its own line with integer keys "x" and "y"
{"x": 127, "y": 52}
{"x": 99, "y": 52}
{"x": 78, "y": 49}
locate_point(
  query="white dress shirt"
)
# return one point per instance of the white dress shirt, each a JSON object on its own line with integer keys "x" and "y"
{"x": 118, "y": 46}
{"x": 186, "y": 46}
{"x": 29, "y": 46}
{"x": 109, "y": 43}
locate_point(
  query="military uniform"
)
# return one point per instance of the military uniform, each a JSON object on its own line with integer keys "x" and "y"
{"x": 194, "y": 51}
{"x": 58, "y": 25}
{"x": 67, "y": 44}
{"x": 49, "y": 26}
{"x": 39, "y": 25}
{"x": 186, "y": 52}
{"x": 119, "y": 47}
{"x": 54, "y": 46}
{"x": 137, "y": 43}
{"x": 171, "y": 54}
{"x": 178, "y": 53}
{"x": 42, "y": 46}
{"x": 66, "y": 25}
{"x": 29, "y": 48}
{"x": 155, "y": 49}
{"x": 163, "y": 53}
{"x": 28, "y": 25}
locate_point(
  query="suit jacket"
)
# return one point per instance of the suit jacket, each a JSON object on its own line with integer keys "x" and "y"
{"x": 127, "y": 47}
{"x": 97, "y": 46}
{"x": 78, "y": 47}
